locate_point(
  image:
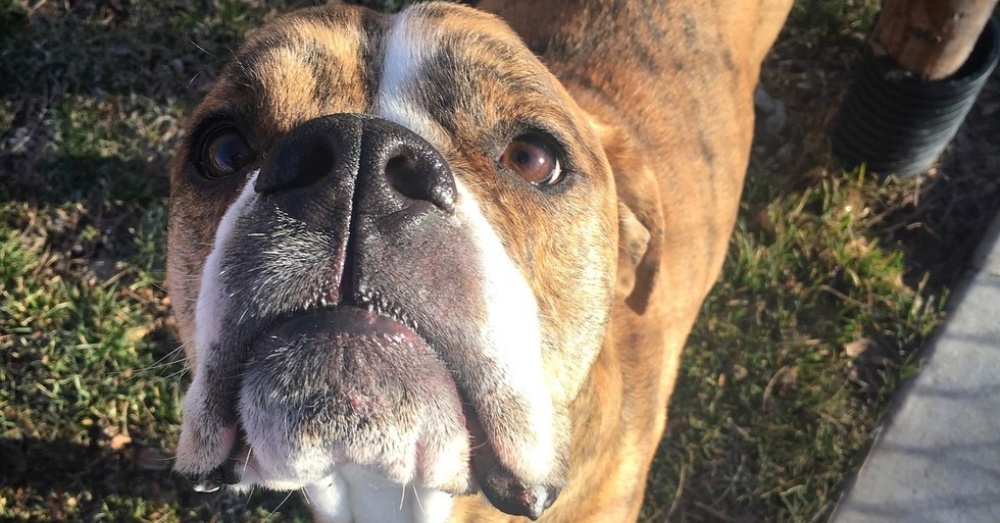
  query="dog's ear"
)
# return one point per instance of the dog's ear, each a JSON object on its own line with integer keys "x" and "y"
{"x": 640, "y": 219}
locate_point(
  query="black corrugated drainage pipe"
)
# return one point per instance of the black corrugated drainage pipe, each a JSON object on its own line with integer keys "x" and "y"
{"x": 896, "y": 123}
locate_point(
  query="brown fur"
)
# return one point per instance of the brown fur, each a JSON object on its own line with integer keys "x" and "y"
{"x": 661, "y": 89}
{"x": 678, "y": 141}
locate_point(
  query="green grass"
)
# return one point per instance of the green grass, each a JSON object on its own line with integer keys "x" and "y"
{"x": 776, "y": 399}
{"x": 774, "y": 406}
{"x": 90, "y": 377}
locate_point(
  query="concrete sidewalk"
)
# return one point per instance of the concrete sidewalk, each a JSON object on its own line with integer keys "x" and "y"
{"x": 938, "y": 456}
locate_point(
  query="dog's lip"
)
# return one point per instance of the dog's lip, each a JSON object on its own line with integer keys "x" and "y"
{"x": 352, "y": 321}
{"x": 502, "y": 488}
{"x": 377, "y": 320}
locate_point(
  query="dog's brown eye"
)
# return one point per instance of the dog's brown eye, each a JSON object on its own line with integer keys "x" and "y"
{"x": 225, "y": 151}
{"x": 532, "y": 160}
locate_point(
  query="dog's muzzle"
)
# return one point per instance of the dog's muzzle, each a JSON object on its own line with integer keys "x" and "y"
{"x": 351, "y": 330}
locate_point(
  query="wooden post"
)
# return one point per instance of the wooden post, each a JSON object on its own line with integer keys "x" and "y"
{"x": 930, "y": 38}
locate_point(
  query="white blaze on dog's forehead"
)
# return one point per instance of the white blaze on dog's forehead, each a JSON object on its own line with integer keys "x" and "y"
{"x": 408, "y": 48}
{"x": 356, "y": 495}
{"x": 204, "y": 442}
{"x": 512, "y": 343}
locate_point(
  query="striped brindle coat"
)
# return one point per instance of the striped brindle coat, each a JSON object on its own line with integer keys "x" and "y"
{"x": 433, "y": 267}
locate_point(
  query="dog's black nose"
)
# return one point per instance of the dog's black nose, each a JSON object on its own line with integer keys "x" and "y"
{"x": 318, "y": 166}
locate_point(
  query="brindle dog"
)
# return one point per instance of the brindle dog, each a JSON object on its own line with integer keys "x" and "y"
{"x": 440, "y": 265}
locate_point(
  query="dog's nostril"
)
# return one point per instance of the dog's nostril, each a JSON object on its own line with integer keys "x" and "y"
{"x": 316, "y": 162}
{"x": 300, "y": 160}
{"x": 402, "y": 177}
{"x": 420, "y": 179}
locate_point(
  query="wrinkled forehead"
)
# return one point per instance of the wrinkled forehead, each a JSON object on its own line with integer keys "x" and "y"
{"x": 440, "y": 69}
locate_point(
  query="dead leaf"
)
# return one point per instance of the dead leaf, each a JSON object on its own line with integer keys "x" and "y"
{"x": 137, "y": 333}
{"x": 857, "y": 347}
{"x": 781, "y": 383}
{"x": 119, "y": 441}
{"x": 789, "y": 378}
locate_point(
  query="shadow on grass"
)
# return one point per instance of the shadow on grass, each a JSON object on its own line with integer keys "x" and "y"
{"x": 40, "y": 467}
{"x": 947, "y": 212}
{"x": 91, "y": 213}
{"x": 105, "y": 181}
{"x": 61, "y": 481}
{"x": 154, "y": 48}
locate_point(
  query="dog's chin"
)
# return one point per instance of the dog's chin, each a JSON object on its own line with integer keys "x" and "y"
{"x": 340, "y": 389}
{"x": 314, "y": 393}
{"x": 347, "y": 386}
